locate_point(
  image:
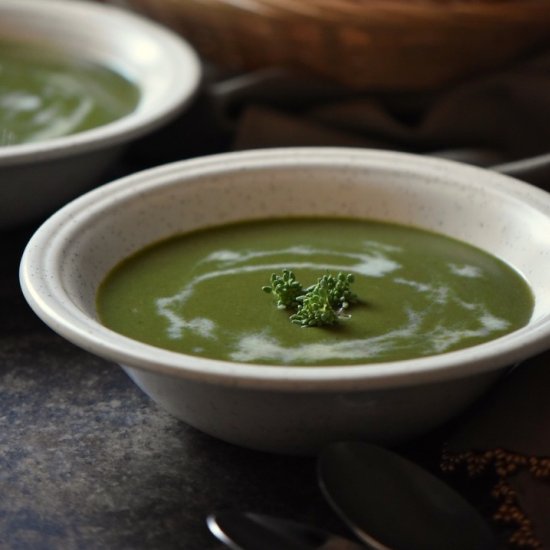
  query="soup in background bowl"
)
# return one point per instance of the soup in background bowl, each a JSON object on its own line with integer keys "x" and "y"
{"x": 46, "y": 93}
{"x": 273, "y": 405}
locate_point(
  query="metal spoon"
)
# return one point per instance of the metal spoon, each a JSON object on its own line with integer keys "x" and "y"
{"x": 247, "y": 531}
{"x": 392, "y": 503}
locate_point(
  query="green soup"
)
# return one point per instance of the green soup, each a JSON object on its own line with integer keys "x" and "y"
{"x": 46, "y": 94}
{"x": 420, "y": 293}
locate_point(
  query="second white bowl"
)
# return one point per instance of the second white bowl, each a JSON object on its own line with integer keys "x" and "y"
{"x": 36, "y": 178}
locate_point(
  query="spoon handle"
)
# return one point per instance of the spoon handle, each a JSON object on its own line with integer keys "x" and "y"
{"x": 247, "y": 531}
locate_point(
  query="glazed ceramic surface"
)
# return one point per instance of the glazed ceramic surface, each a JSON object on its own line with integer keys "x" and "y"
{"x": 294, "y": 409}
{"x": 36, "y": 178}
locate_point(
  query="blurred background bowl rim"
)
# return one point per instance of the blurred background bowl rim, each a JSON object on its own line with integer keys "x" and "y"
{"x": 132, "y": 125}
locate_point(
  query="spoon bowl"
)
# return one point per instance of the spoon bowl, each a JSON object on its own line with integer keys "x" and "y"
{"x": 392, "y": 503}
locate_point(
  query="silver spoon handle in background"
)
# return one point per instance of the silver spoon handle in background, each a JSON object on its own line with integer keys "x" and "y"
{"x": 247, "y": 531}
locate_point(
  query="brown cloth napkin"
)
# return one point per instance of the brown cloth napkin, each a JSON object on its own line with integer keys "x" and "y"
{"x": 500, "y": 121}
{"x": 508, "y": 436}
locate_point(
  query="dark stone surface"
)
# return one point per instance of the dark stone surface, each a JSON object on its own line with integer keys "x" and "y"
{"x": 88, "y": 461}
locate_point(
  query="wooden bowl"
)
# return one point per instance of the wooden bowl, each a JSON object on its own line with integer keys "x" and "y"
{"x": 366, "y": 44}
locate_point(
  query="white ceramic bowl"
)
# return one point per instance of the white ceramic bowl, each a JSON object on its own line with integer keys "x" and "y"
{"x": 278, "y": 408}
{"x": 36, "y": 178}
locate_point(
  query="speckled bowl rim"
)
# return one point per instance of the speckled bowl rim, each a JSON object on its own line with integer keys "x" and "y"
{"x": 176, "y": 50}
{"x": 45, "y": 295}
